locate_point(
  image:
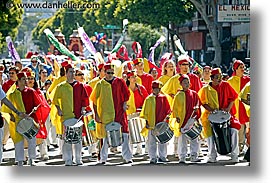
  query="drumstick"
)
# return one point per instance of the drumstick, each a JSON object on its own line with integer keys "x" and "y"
{"x": 34, "y": 109}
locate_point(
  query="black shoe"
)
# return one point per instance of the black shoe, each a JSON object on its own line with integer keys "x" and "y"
{"x": 55, "y": 145}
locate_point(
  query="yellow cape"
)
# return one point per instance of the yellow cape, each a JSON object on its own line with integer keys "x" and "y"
{"x": 179, "y": 110}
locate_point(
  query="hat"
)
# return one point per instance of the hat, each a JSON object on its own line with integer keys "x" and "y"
{"x": 108, "y": 66}
{"x": 130, "y": 73}
{"x": 64, "y": 63}
{"x": 68, "y": 66}
{"x": 156, "y": 84}
{"x": 236, "y": 64}
{"x": 30, "y": 74}
{"x": 207, "y": 67}
{"x": 34, "y": 57}
{"x": 216, "y": 71}
{"x": 21, "y": 74}
{"x": 182, "y": 77}
{"x": 137, "y": 61}
{"x": 26, "y": 69}
{"x": 100, "y": 66}
{"x": 184, "y": 59}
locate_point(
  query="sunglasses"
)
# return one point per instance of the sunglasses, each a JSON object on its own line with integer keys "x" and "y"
{"x": 33, "y": 61}
{"x": 184, "y": 64}
{"x": 217, "y": 77}
{"x": 79, "y": 74}
{"x": 11, "y": 72}
{"x": 30, "y": 78}
{"x": 110, "y": 72}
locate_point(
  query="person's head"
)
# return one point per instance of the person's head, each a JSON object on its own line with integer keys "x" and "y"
{"x": 69, "y": 72}
{"x": 18, "y": 64}
{"x": 30, "y": 79}
{"x": 168, "y": 68}
{"x": 109, "y": 71}
{"x": 79, "y": 75}
{"x": 184, "y": 82}
{"x": 216, "y": 76}
{"x": 2, "y": 69}
{"x": 184, "y": 63}
{"x": 47, "y": 84}
{"x": 13, "y": 72}
{"x": 156, "y": 86}
{"x": 21, "y": 79}
{"x": 206, "y": 72}
{"x": 43, "y": 74}
{"x": 131, "y": 77}
{"x": 139, "y": 65}
{"x": 34, "y": 60}
{"x": 238, "y": 68}
{"x": 101, "y": 70}
{"x": 153, "y": 71}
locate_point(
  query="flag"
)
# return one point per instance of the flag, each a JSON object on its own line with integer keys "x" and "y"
{"x": 119, "y": 42}
{"x": 86, "y": 41}
{"x": 137, "y": 49}
{"x": 152, "y": 53}
{"x": 12, "y": 51}
{"x": 59, "y": 45}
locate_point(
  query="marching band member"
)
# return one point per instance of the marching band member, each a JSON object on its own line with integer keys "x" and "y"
{"x": 70, "y": 99}
{"x": 185, "y": 102}
{"x": 138, "y": 94}
{"x": 206, "y": 72}
{"x": 172, "y": 85}
{"x": 238, "y": 80}
{"x": 168, "y": 71}
{"x": 219, "y": 95}
{"x": 155, "y": 109}
{"x": 24, "y": 99}
{"x": 110, "y": 97}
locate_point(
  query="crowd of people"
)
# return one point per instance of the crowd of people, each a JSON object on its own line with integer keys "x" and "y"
{"x": 66, "y": 97}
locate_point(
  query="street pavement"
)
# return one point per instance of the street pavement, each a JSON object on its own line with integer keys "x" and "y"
{"x": 115, "y": 159}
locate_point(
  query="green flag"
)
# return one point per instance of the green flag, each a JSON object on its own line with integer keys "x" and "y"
{"x": 59, "y": 45}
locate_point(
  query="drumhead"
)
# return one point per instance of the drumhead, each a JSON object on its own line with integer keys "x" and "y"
{"x": 113, "y": 126}
{"x": 219, "y": 116}
{"x": 133, "y": 115}
{"x": 24, "y": 124}
{"x": 161, "y": 127}
{"x": 70, "y": 122}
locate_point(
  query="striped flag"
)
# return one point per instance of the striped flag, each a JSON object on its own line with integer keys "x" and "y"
{"x": 152, "y": 53}
{"x": 12, "y": 51}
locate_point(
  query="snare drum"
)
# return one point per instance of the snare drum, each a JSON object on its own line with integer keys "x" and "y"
{"x": 114, "y": 134}
{"x": 27, "y": 127}
{"x": 73, "y": 131}
{"x": 192, "y": 129}
{"x": 162, "y": 132}
{"x": 220, "y": 122}
{"x": 136, "y": 124}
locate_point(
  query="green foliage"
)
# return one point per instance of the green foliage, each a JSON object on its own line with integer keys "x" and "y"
{"x": 10, "y": 20}
{"x": 146, "y": 36}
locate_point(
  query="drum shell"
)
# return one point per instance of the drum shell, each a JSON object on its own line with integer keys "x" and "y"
{"x": 193, "y": 132}
{"x": 27, "y": 127}
{"x": 135, "y": 125}
{"x": 73, "y": 134}
{"x": 114, "y": 134}
{"x": 222, "y": 137}
{"x": 163, "y": 132}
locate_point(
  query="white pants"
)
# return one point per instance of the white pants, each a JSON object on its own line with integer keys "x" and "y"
{"x": 126, "y": 152}
{"x": 6, "y": 132}
{"x": 19, "y": 149}
{"x": 182, "y": 146}
{"x": 43, "y": 148}
{"x": 212, "y": 152}
{"x": 72, "y": 152}
{"x": 93, "y": 148}
{"x": 156, "y": 149}
{"x": 51, "y": 138}
{"x": 1, "y": 144}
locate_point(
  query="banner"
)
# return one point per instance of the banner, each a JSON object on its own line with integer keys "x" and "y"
{"x": 12, "y": 51}
{"x": 59, "y": 45}
{"x": 86, "y": 41}
{"x": 152, "y": 53}
{"x": 119, "y": 42}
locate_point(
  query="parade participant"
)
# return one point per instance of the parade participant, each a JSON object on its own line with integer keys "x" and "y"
{"x": 138, "y": 94}
{"x": 155, "y": 109}
{"x": 186, "y": 105}
{"x": 3, "y": 76}
{"x": 43, "y": 76}
{"x": 153, "y": 71}
{"x": 219, "y": 95}
{"x": 238, "y": 80}
{"x": 36, "y": 66}
{"x": 172, "y": 85}
{"x": 79, "y": 76}
{"x": 70, "y": 99}
{"x": 60, "y": 79}
{"x": 110, "y": 97}
{"x": 100, "y": 75}
{"x": 18, "y": 64}
{"x": 206, "y": 72}
{"x": 245, "y": 98}
{"x": 12, "y": 75}
{"x": 168, "y": 70}
{"x": 5, "y": 101}
{"x": 146, "y": 78}
{"x": 43, "y": 112}
{"x": 25, "y": 99}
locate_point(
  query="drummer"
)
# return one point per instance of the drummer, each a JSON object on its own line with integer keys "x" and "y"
{"x": 71, "y": 100}
{"x": 219, "y": 95}
{"x": 138, "y": 94}
{"x": 186, "y": 105}
{"x": 155, "y": 109}
{"x": 25, "y": 99}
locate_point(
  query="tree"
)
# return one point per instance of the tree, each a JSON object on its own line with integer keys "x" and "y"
{"x": 213, "y": 26}
{"x": 10, "y": 19}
